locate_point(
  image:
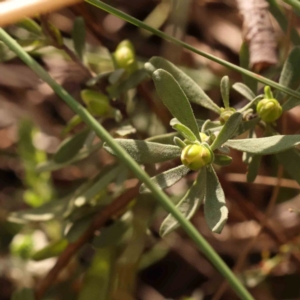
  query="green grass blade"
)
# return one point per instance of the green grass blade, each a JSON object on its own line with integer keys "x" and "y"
{"x": 167, "y": 37}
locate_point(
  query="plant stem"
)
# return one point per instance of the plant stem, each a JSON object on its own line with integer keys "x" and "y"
{"x": 167, "y": 37}
{"x": 160, "y": 196}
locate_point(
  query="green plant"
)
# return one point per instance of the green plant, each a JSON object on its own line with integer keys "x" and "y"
{"x": 201, "y": 145}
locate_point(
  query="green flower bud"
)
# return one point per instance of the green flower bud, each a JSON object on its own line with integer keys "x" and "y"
{"x": 124, "y": 57}
{"x": 226, "y": 113}
{"x": 197, "y": 156}
{"x": 269, "y": 110}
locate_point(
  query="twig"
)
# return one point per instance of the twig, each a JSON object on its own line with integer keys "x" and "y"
{"x": 15, "y": 10}
{"x": 99, "y": 221}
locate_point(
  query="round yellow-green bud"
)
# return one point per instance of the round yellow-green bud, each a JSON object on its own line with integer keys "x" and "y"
{"x": 226, "y": 113}
{"x": 196, "y": 156}
{"x": 269, "y": 110}
{"x": 124, "y": 57}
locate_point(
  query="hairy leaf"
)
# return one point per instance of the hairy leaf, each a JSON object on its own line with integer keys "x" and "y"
{"x": 265, "y": 145}
{"x": 188, "y": 204}
{"x": 244, "y": 90}
{"x": 147, "y": 152}
{"x": 192, "y": 90}
{"x": 215, "y": 210}
{"x": 225, "y": 87}
{"x": 174, "y": 99}
{"x": 228, "y": 130}
{"x": 222, "y": 160}
{"x": 185, "y": 132}
{"x": 167, "y": 178}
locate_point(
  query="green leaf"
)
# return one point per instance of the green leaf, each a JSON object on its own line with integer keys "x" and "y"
{"x": 70, "y": 147}
{"x": 244, "y": 90}
{"x": 244, "y": 126}
{"x": 290, "y": 74}
{"x": 228, "y": 130}
{"x": 225, "y": 87}
{"x": 51, "y": 250}
{"x": 31, "y": 26}
{"x": 107, "y": 175}
{"x": 147, "y": 152}
{"x": 78, "y": 36}
{"x": 253, "y": 167}
{"x": 23, "y": 294}
{"x": 78, "y": 228}
{"x": 266, "y": 145}
{"x": 113, "y": 234}
{"x": 192, "y": 90}
{"x": 167, "y": 178}
{"x": 185, "y": 132}
{"x": 174, "y": 99}
{"x": 188, "y": 204}
{"x": 97, "y": 103}
{"x": 178, "y": 142}
{"x": 131, "y": 82}
{"x": 244, "y": 63}
{"x": 251, "y": 103}
{"x": 222, "y": 160}
{"x": 166, "y": 138}
{"x": 43, "y": 213}
{"x": 53, "y": 166}
{"x": 290, "y": 159}
{"x": 215, "y": 210}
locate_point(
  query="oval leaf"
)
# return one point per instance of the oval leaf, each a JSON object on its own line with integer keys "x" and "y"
{"x": 185, "y": 132}
{"x": 78, "y": 36}
{"x": 70, "y": 147}
{"x": 174, "y": 99}
{"x": 266, "y": 145}
{"x": 228, "y": 130}
{"x": 188, "y": 204}
{"x": 192, "y": 90}
{"x": 222, "y": 160}
{"x": 244, "y": 91}
{"x": 215, "y": 210}
{"x": 167, "y": 178}
{"x": 253, "y": 167}
{"x": 147, "y": 152}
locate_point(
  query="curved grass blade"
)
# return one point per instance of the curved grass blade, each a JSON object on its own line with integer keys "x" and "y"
{"x": 228, "y": 130}
{"x": 188, "y": 204}
{"x": 192, "y": 90}
{"x": 174, "y": 99}
{"x": 51, "y": 250}
{"x": 265, "y": 145}
{"x": 244, "y": 90}
{"x": 78, "y": 36}
{"x": 215, "y": 210}
{"x": 167, "y": 178}
{"x": 147, "y": 152}
{"x": 166, "y": 138}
